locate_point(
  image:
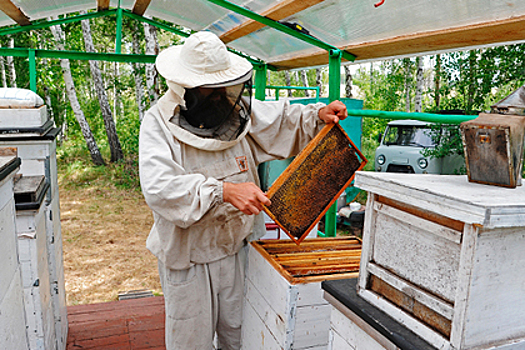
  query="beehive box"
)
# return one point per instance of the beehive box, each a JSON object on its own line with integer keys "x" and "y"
{"x": 284, "y": 306}
{"x": 12, "y": 320}
{"x": 493, "y": 146}
{"x": 302, "y": 194}
{"x": 34, "y": 260}
{"x": 444, "y": 257}
{"x": 19, "y": 120}
{"x": 38, "y": 155}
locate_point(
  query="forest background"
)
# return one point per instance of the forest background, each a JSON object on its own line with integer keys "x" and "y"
{"x": 99, "y": 107}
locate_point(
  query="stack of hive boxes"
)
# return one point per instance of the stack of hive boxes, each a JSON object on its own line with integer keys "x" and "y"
{"x": 29, "y": 131}
{"x": 12, "y": 320}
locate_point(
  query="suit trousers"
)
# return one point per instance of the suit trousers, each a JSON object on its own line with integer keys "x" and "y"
{"x": 204, "y": 300}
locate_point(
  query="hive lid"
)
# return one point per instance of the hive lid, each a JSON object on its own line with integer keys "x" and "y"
{"x": 8, "y": 163}
{"x": 302, "y": 194}
{"x": 29, "y": 192}
{"x": 512, "y": 104}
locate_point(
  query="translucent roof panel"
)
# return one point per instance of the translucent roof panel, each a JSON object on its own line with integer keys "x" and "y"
{"x": 395, "y": 28}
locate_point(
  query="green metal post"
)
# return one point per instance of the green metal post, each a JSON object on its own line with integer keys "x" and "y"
{"x": 32, "y": 70}
{"x": 118, "y": 40}
{"x": 260, "y": 81}
{"x": 334, "y": 93}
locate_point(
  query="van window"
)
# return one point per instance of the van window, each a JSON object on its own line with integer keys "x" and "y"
{"x": 404, "y": 135}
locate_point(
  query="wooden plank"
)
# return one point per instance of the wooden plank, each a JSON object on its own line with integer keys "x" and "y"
{"x": 426, "y": 260}
{"x": 102, "y": 5}
{"x": 280, "y": 11}
{"x": 411, "y": 305}
{"x": 6, "y": 154}
{"x": 140, "y": 6}
{"x": 312, "y": 326}
{"x": 282, "y": 248}
{"x": 440, "y": 306}
{"x": 316, "y": 255}
{"x": 427, "y": 215}
{"x": 487, "y": 33}
{"x": 320, "y": 262}
{"x": 14, "y": 12}
{"x": 323, "y": 270}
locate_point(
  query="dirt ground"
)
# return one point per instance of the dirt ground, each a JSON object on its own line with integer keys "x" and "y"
{"x": 104, "y": 235}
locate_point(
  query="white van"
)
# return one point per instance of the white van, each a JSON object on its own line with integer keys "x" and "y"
{"x": 400, "y": 150}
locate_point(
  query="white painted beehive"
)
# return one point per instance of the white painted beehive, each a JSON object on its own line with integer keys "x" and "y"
{"x": 12, "y": 318}
{"x": 34, "y": 260}
{"x": 284, "y": 306}
{"x": 444, "y": 257}
{"x": 38, "y": 155}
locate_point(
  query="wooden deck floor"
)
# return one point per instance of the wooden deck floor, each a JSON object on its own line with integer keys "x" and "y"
{"x": 134, "y": 324}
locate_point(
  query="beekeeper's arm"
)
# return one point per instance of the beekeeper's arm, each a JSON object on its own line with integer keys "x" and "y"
{"x": 297, "y": 126}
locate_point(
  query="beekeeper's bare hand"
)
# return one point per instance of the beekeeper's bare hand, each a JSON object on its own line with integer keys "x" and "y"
{"x": 333, "y": 113}
{"x": 247, "y": 197}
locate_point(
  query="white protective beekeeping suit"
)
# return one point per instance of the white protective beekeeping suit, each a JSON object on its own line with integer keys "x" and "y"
{"x": 196, "y": 235}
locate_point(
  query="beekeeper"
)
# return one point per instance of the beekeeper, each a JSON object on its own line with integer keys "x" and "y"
{"x": 199, "y": 149}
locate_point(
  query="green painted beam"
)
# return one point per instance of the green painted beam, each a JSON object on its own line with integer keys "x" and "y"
{"x": 76, "y": 55}
{"x": 334, "y": 93}
{"x": 260, "y": 81}
{"x": 32, "y": 70}
{"x": 47, "y": 24}
{"x": 118, "y": 34}
{"x": 281, "y": 27}
{"x": 427, "y": 117}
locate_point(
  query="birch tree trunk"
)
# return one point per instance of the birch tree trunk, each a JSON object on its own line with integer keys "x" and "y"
{"x": 2, "y": 71}
{"x": 419, "y": 85}
{"x": 96, "y": 75}
{"x": 348, "y": 82}
{"x": 11, "y": 65}
{"x": 319, "y": 80}
{"x": 135, "y": 70}
{"x": 372, "y": 79}
{"x": 96, "y": 157}
{"x": 304, "y": 81}
{"x": 152, "y": 48}
{"x": 288, "y": 82}
{"x": 437, "y": 82}
{"x": 408, "y": 77}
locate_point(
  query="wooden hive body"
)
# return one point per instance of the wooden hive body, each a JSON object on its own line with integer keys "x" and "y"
{"x": 284, "y": 305}
{"x": 443, "y": 256}
{"x": 12, "y": 318}
{"x": 34, "y": 259}
{"x": 38, "y": 158}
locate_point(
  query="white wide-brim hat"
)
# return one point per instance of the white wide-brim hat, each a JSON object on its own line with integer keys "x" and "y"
{"x": 203, "y": 60}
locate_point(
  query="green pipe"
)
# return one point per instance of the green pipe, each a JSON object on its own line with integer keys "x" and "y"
{"x": 77, "y": 55}
{"x": 118, "y": 39}
{"x": 32, "y": 70}
{"x": 334, "y": 93}
{"x": 428, "y": 117}
{"x": 47, "y": 24}
{"x": 279, "y": 26}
